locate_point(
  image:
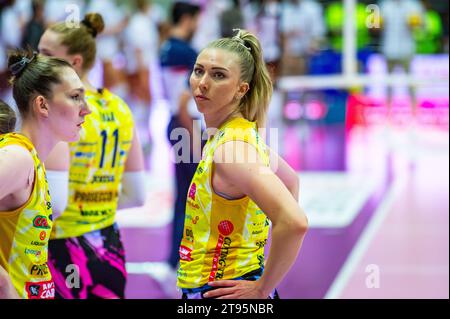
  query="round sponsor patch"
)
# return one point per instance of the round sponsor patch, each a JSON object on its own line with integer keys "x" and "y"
{"x": 226, "y": 227}
{"x": 42, "y": 235}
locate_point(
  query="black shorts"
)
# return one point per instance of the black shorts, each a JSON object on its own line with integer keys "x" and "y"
{"x": 89, "y": 266}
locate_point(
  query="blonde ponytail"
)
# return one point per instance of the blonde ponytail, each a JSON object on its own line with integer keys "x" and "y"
{"x": 254, "y": 105}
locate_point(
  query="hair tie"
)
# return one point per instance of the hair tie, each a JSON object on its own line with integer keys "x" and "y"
{"x": 18, "y": 67}
{"x": 238, "y": 38}
{"x": 90, "y": 27}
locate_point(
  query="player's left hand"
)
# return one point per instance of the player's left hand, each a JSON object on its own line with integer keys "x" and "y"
{"x": 235, "y": 289}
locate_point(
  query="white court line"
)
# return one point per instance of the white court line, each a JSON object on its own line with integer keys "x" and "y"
{"x": 365, "y": 239}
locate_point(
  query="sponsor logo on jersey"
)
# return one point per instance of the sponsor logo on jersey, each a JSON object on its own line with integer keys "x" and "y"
{"x": 33, "y": 252}
{"x": 192, "y": 204}
{"x": 107, "y": 116}
{"x": 193, "y": 191}
{"x": 185, "y": 253}
{"x": 87, "y": 143}
{"x": 41, "y": 222}
{"x": 85, "y": 155}
{"x": 223, "y": 245}
{"x": 39, "y": 270}
{"x": 261, "y": 243}
{"x": 95, "y": 197}
{"x": 220, "y": 258}
{"x": 103, "y": 179}
{"x": 189, "y": 235}
{"x": 40, "y": 290}
{"x": 37, "y": 243}
{"x": 42, "y": 235}
{"x": 226, "y": 227}
{"x": 261, "y": 261}
{"x": 104, "y": 212}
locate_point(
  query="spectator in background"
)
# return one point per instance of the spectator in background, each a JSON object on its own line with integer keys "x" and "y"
{"x": 445, "y": 35}
{"x": 13, "y": 17}
{"x": 231, "y": 19}
{"x": 159, "y": 17}
{"x": 35, "y": 27}
{"x": 303, "y": 29}
{"x": 59, "y": 10}
{"x": 208, "y": 22}
{"x": 177, "y": 59}
{"x": 141, "y": 41}
{"x": 8, "y": 26}
{"x": 428, "y": 38}
{"x": 399, "y": 20}
{"x": 108, "y": 43}
{"x": 268, "y": 30}
{"x": 335, "y": 20}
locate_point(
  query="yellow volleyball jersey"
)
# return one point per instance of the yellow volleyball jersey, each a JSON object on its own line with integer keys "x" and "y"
{"x": 222, "y": 239}
{"x": 25, "y": 233}
{"x": 96, "y": 166}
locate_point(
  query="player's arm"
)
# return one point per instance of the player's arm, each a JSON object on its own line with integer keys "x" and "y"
{"x": 16, "y": 171}
{"x": 289, "y": 222}
{"x": 133, "y": 181}
{"x": 57, "y": 166}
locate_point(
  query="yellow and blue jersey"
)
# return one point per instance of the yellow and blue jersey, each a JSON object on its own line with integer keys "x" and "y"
{"x": 222, "y": 239}
{"x": 25, "y": 233}
{"x": 97, "y": 163}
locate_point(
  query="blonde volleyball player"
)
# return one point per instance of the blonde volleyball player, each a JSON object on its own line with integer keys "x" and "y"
{"x": 105, "y": 171}
{"x": 50, "y": 97}
{"x": 235, "y": 192}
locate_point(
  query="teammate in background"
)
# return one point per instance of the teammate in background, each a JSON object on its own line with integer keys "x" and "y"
{"x": 50, "y": 97}
{"x": 105, "y": 171}
{"x": 237, "y": 190}
{"x": 399, "y": 20}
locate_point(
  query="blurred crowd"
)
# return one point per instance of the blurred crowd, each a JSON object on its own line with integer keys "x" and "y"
{"x": 298, "y": 36}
